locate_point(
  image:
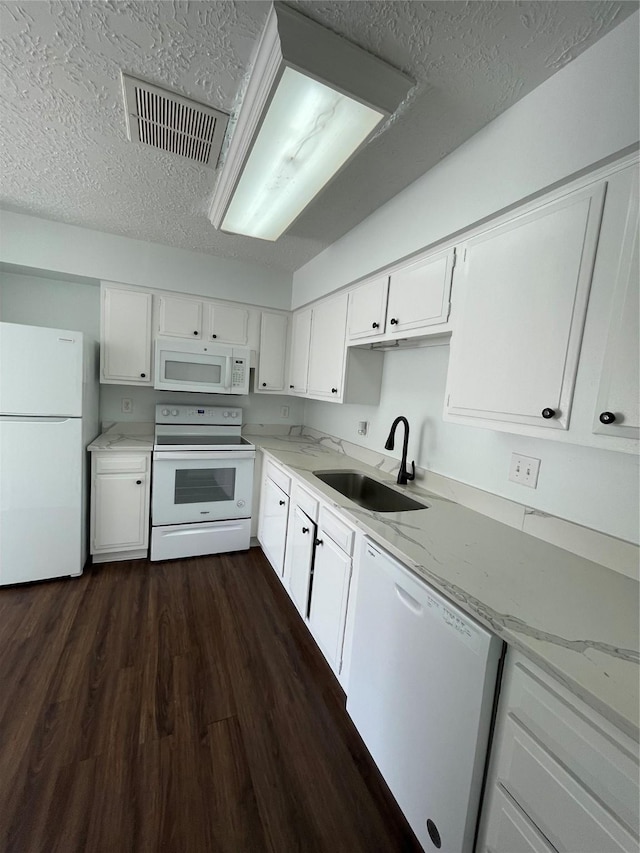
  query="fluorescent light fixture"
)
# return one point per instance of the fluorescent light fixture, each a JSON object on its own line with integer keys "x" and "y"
{"x": 312, "y": 102}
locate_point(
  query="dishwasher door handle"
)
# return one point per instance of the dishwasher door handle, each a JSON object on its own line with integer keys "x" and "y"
{"x": 408, "y": 600}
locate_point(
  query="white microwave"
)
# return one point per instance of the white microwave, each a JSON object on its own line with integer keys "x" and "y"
{"x": 199, "y": 366}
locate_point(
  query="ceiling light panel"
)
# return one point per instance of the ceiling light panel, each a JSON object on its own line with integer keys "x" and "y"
{"x": 312, "y": 101}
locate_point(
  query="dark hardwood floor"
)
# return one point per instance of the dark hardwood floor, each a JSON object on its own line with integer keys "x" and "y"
{"x": 180, "y": 707}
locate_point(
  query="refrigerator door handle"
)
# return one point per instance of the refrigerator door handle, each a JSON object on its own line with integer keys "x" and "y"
{"x": 29, "y": 419}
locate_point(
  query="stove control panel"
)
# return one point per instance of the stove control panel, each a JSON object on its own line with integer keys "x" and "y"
{"x": 209, "y": 415}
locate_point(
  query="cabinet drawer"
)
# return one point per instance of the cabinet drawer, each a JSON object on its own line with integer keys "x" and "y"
{"x": 279, "y": 477}
{"x": 341, "y": 534}
{"x": 608, "y": 771}
{"x": 555, "y": 800}
{"x": 509, "y": 829}
{"x": 119, "y": 463}
{"x": 305, "y": 500}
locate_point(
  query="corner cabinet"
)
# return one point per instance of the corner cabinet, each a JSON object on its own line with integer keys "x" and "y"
{"x": 120, "y": 491}
{"x": 270, "y": 375}
{"x": 521, "y": 294}
{"x": 326, "y": 369}
{"x": 125, "y": 335}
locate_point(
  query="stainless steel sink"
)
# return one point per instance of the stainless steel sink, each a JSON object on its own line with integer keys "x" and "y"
{"x": 367, "y": 492}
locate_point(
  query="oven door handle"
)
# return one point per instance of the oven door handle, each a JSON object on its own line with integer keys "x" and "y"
{"x": 197, "y": 455}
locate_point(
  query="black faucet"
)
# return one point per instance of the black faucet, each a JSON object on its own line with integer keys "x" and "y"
{"x": 403, "y": 474}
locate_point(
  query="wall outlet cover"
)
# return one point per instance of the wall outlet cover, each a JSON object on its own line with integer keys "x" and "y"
{"x": 127, "y": 405}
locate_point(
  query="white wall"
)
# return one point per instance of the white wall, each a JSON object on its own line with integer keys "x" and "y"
{"x": 596, "y": 488}
{"x": 53, "y": 303}
{"x": 584, "y": 114}
{"x": 256, "y": 408}
{"x": 41, "y": 244}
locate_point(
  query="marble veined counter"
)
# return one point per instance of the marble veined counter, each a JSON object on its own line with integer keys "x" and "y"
{"x": 125, "y": 437}
{"x": 576, "y": 619}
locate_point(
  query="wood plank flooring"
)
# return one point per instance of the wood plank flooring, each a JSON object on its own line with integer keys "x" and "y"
{"x": 182, "y": 707}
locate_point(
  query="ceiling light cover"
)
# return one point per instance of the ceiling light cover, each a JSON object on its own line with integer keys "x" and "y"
{"x": 312, "y": 101}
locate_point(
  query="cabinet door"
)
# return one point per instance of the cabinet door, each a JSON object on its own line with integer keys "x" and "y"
{"x": 300, "y": 537}
{"x": 273, "y": 347}
{"x": 367, "y": 309}
{"x": 619, "y": 391}
{"x": 125, "y": 345}
{"x": 272, "y": 524}
{"x": 299, "y": 359}
{"x": 227, "y": 325}
{"x": 419, "y": 294}
{"x": 524, "y": 290}
{"x": 327, "y": 349}
{"x": 121, "y": 512}
{"x": 329, "y": 595}
{"x": 180, "y": 318}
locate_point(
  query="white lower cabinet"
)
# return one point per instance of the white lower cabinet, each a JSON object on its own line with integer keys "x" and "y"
{"x": 329, "y": 595}
{"x": 561, "y": 777}
{"x": 120, "y": 490}
{"x": 272, "y": 519}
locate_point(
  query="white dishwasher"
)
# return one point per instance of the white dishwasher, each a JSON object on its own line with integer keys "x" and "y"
{"x": 421, "y": 691}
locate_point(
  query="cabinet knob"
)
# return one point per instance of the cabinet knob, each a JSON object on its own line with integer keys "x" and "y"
{"x": 143, "y": 375}
{"x": 393, "y": 321}
{"x": 548, "y": 413}
{"x": 264, "y": 384}
{"x": 214, "y": 336}
{"x": 334, "y": 390}
{"x": 138, "y": 482}
{"x": 317, "y": 541}
{"x": 305, "y": 529}
{"x": 375, "y": 325}
{"x": 607, "y": 417}
{"x": 195, "y": 333}
{"x": 292, "y": 386}
{"x": 282, "y": 503}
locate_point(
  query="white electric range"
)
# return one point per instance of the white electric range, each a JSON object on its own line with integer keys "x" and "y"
{"x": 202, "y": 482}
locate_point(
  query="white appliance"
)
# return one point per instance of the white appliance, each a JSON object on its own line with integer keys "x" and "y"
{"x": 42, "y": 453}
{"x": 202, "y": 482}
{"x": 421, "y": 691}
{"x": 199, "y": 366}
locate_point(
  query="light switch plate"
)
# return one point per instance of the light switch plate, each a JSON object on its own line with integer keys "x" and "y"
{"x": 524, "y": 470}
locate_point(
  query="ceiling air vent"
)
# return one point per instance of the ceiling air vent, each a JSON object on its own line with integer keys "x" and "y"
{"x": 172, "y": 123}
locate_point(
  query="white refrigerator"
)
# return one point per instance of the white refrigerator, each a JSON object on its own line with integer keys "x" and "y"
{"x": 44, "y": 383}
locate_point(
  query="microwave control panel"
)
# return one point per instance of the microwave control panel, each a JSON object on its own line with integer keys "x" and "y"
{"x": 238, "y": 372}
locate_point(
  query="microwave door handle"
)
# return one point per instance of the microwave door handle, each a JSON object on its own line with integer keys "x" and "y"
{"x": 227, "y": 380}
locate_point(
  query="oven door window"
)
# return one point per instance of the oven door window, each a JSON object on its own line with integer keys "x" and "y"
{"x": 204, "y": 485}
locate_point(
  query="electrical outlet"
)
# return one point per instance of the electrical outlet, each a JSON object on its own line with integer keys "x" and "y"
{"x": 284, "y": 411}
{"x": 363, "y": 427}
{"x": 127, "y": 405}
{"x": 524, "y": 470}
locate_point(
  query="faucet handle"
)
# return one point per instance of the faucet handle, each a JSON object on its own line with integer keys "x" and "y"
{"x": 412, "y": 475}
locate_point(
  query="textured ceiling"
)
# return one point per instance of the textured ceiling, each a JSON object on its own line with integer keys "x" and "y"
{"x": 64, "y": 154}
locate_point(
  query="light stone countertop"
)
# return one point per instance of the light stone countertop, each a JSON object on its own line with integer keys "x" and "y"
{"x": 125, "y": 437}
{"x": 576, "y": 619}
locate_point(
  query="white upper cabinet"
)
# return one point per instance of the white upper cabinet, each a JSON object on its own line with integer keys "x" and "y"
{"x": 419, "y": 294}
{"x": 368, "y": 309}
{"x": 180, "y": 318}
{"x": 410, "y": 301}
{"x": 327, "y": 351}
{"x": 299, "y": 359}
{"x": 227, "y": 324}
{"x": 125, "y": 336}
{"x": 273, "y": 347}
{"x": 617, "y": 410}
{"x": 521, "y": 294}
